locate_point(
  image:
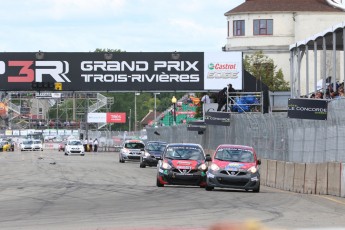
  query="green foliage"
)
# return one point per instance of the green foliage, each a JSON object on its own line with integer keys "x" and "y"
{"x": 198, "y": 111}
{"x": 263, "y": 68}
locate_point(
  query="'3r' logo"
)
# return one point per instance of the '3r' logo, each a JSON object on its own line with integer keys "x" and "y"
{"x": 56, "y": 69}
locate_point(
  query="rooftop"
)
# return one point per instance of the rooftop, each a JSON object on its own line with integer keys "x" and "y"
{"x": 283, "y": 5}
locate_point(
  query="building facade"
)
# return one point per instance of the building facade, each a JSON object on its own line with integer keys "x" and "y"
{"x": 272, "y": 26}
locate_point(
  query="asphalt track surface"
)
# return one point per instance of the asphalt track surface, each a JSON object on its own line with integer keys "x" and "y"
{"x": 47, "y": 190}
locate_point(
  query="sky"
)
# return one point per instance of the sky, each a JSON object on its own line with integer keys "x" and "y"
{"x": 128, "y": 25}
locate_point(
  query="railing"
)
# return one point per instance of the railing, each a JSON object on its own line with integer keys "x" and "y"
{"x": 101, "y": 102}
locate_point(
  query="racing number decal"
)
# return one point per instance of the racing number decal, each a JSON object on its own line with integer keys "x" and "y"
{"x": 27, "y": 74}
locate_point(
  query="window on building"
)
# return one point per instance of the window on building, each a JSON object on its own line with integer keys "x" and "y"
{"x": 239, "y": 28}
{"x": 263, "y": 27}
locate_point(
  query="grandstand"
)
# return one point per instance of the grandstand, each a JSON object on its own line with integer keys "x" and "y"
{"x": 185, "y": 112}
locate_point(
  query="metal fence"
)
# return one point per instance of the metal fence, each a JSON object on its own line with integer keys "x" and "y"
{"x": 273, "y": 135}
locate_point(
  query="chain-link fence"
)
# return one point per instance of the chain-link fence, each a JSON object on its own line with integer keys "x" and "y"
{"x": 273, "y": 135}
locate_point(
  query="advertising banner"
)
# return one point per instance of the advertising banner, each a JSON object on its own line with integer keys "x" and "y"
{"x": 116, "y": 117}
{"x": 49, "y": 95}
{"x": 96, "y": 117}
{"x": 106, "y": 117}
{"x": 196, "y": 126}
{"x": 223, "y": 68}
{"x": 313, "y": 109}
{"x": 96, "y": 71}
{"x": 217, "y": 118}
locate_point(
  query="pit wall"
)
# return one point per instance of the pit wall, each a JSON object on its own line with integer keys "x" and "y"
{"x": 309, "y": 178}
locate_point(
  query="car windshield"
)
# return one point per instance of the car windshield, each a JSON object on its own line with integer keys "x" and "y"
{"x": 27, "y": 142}
{"x": 184, "y": 153}
{"x": 37, "y": 142}
{"x": 155, "y": 147}
{"x": 234, "y": 155}
{"x": 75, "y": 143}
{"x": 134, "y": 145}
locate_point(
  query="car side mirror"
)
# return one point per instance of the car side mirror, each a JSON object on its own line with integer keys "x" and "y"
{"x": 208, "y": 157}
{"x": 259, "y": 162}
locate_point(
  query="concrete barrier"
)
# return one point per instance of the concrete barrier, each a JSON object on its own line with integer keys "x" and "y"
{"x": 321, "y": 178}
{"x": 342, "y": 192}
{"x": 334, "y": 178}
{"x": 271, "y": 173}
{"x": 263, "y": 172}
{"x": 310, "y": 179}
{"x": 289, "y": 174}
{"x": 298, "y": 180}
{"x": 280, "y": 174}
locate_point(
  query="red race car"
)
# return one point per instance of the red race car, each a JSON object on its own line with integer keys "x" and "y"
{"x": 62, "y": 146}
{"x": 234, "y": 166}
{"x": 182, "y": 164}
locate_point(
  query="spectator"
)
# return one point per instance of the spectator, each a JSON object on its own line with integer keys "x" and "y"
{"x": 340, "y": 92}
{"x": 85, "y": 144}
{"x": 319, "y": 95}
{"x": 95, "y": 145}
{"x": 90, "y": 145}
{"x": 205, "y": 99}
{"x": 221, "y": 99}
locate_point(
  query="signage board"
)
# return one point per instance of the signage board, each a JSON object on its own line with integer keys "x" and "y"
{"x": 116, "y": 118}
{"x": 305, "y": 108}
{"x": 217, "y": 118}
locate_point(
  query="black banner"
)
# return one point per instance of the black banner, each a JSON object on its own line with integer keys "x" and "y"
{"x": 199, "y": 126}
{"x": 93, "y": 71}
{"x": 217, "y": 118}
{"x": 313, "y": 109}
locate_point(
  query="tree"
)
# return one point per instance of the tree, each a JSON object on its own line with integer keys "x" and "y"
{"x": 263, "y": 68}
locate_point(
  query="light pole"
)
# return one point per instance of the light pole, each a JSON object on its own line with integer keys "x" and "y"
{"x": 130, "y": 120}
{"x": 155, "y": 108}
{"x": 135, "y": 111}
{"x": 174, "y": 100}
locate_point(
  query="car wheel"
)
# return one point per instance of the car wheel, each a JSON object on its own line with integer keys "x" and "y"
{"x": 66, "y": 154}
{"x": 159, "y": 184}
{"x": 121, "y": 161}
{"x": 209, "y": 188}
{"x": 82, "y": 154}
{"x": 142, "y": 165}
{"x": 257, "y": 190}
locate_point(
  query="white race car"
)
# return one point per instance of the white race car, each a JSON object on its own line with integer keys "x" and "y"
{"x": 74, "y": 147}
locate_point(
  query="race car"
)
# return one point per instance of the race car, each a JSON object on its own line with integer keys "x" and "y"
{"x": 131, "y": 150}
{"x": 153, "y": 153}
{"x": 182, "y": 164}
{"x": 234, "y": 166}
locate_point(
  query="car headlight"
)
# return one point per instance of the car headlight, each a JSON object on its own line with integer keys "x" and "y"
{"x": 165, "y": 165}
{"x": 214, "y": 167}
{"x": 125, "y": 150}
{"x": 203, "y": 167}
{"x": 252, "y": 169}
{"x": 146, "y": 154}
